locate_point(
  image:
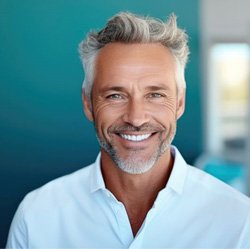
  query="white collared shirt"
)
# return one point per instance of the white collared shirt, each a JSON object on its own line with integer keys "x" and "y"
{"x": 194, "y": 210}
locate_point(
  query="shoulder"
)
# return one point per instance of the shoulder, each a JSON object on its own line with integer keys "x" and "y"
{"x": 199, "y": 185}
{"x": 45, "y": 205}
{"x": 59, "y": 192}
{"x": 216, "y": 190}
{"x": 221, "y": 206}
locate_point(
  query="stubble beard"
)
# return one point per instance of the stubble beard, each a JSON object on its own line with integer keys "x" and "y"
{"x": 133, "y": 164}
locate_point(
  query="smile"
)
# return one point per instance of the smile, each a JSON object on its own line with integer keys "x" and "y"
{"x": 135, "y": 138}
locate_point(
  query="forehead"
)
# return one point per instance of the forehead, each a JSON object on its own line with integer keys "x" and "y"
{"x": 135, "y": 52}
{"x": 119, "y": 62}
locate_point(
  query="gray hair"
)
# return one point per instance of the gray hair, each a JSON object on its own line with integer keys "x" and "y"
{"x": 126, "y": 27}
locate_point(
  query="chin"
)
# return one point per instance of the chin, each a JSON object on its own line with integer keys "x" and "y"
{"x": 135, "y": 163}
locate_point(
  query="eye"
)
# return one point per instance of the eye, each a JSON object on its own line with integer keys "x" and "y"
{"x": 156, "y": 95}
{"x": 115, "y": 96}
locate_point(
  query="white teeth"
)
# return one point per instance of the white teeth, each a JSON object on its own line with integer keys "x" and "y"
{"x": 135, "y": 138}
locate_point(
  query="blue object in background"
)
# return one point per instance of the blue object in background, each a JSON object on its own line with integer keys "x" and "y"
{"x": 229, "y": 172}
{"x": 43, "y": 130}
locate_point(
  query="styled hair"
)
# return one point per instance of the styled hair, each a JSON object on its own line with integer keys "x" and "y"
{"x": 128, "y": 28}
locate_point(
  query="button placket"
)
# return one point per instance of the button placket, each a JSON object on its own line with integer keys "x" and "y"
{"x": 124, "y": 229}
{"x": 157, "y": 208}
{"x": 124, "y": 225}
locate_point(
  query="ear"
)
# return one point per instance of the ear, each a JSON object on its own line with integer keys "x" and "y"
{"x": 87, "y": 106}
{"x": 181, "y": 103}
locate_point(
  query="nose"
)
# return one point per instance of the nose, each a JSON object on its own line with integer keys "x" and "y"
{"x": 136, "y": 113}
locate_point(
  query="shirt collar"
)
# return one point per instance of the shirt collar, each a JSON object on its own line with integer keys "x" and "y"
{"x": 178, "y": 175}
{"x": 96, "y": 178}
{"x": 176, "y": 180}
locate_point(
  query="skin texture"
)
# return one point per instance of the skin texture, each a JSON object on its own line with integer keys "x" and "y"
{"x": 134, "y": 93}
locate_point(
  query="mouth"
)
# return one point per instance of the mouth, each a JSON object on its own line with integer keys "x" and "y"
{"x": 135, "y": 138}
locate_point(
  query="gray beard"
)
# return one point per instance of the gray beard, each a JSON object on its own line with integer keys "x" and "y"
{"x": 134, "y": 165}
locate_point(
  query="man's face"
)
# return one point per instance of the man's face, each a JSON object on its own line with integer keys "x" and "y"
{"x": 134, "y": 104}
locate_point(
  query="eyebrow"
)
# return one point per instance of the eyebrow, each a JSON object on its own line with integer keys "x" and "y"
{"x": 158, "y": 87}
{"x": 120, "y": 88}
{"x": 112, "y": 88}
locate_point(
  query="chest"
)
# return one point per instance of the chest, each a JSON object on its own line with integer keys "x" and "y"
{"x": 136, "y": 218}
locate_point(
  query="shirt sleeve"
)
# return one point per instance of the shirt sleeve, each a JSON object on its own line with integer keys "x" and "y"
{"x": 17, "y": 237}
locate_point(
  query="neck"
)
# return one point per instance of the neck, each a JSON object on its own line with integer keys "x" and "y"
{"x": 136, "y": 192}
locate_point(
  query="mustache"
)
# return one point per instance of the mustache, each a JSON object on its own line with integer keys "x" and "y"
{"x": 147, "y": 127}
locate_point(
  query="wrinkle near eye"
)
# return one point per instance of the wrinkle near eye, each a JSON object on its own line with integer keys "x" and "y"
{"x": 170, "y": 104}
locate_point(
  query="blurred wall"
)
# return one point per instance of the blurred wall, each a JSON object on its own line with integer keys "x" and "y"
{"x": 43, "y": 132}
{"x": 225, "y": 20}
{"x": 222, "y": 21}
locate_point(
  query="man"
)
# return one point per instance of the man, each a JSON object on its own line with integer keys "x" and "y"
{"x": 139, "y": 193}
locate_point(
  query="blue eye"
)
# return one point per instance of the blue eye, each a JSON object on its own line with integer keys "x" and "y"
{"x": 114, "y": 96}
{"x": 155, "y": 95}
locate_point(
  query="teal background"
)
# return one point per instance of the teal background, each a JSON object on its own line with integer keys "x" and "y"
{"x": 43, "y": 132}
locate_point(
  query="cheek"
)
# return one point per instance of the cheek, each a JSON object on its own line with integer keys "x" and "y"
{"x": 165, "y": 112}
{"x": 104, "y": 117}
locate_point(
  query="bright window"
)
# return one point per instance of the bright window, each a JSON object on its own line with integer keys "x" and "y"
{"x": 229, "y": 79}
